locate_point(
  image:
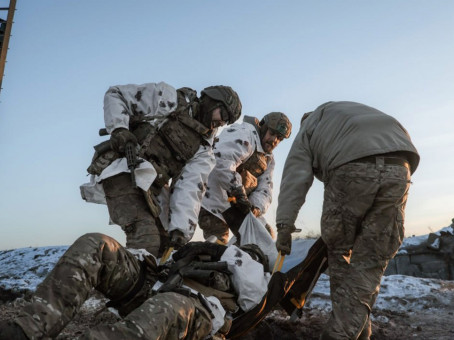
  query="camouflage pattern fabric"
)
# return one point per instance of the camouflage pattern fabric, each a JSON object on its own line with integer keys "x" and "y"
{"x": 240, "y": 161}
{"x": 129, "y": 209}
{"x": 181, "y": 150}
{"x": 362, "y": 226}
{"x": 94, "y": 260}
{"x": 212, "y": 225}
{"x": 163, "y": 316}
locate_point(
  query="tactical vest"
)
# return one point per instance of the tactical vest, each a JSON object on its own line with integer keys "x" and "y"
{"x": 169, "y": 147}
{"x": 254, "y": 166}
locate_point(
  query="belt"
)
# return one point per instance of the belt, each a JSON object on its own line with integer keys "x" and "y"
{"x": 387, "y": 160}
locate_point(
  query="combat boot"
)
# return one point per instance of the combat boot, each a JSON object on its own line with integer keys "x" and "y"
{"x": 10, "y": 330}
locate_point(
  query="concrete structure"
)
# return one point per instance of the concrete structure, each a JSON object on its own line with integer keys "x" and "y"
{"x": 429, "y": 256}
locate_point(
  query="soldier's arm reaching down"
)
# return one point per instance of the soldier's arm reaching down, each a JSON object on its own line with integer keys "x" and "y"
{"x": 262, "y": 196}
{"x": 297, "y": 178}
{"x": 231, "y": 150}
{"x": 187, "y": 193}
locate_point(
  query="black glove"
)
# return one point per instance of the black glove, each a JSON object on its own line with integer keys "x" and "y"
{"x": 119, "y": 138}
{"x": 284, "y": 238}
{"x": 177, "y": 239}
{"x": 214, "y": 250}
{"x": 241, "y": 201}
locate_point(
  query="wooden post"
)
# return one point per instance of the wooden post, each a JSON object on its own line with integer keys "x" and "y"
{"x": 9, "y": 24}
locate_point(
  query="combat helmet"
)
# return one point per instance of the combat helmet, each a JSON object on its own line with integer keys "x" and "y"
{"x": 213, "y": 97}
{"x": 276, "y": 122}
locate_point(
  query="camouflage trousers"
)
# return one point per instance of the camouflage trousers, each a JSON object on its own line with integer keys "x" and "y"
{"x": 98, "y": 261}
{"x": 363, "y": 227}
{"x": 129, "y": 209}
{"x": 168, "y": 316}
{"x": 212, "y": 225}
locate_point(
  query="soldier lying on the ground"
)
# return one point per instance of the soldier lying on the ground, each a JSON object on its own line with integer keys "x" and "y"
{"x": 192, "y": 298}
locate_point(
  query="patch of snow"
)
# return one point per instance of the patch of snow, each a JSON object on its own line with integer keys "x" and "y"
{"x": 448, "y": 230}
{"x": 398, "y": 293}
{"x": 25, "y": 268}
{"x": 412, "y": 242}
{"x": 93, "y": 304}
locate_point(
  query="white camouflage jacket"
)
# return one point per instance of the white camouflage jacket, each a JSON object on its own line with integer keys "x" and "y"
{"x": 236, "y": 144}
{"x": 156, "y": 101}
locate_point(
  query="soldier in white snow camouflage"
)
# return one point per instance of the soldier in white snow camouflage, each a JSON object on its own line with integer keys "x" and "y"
{"x": 172, "y": 132}
{"x": 244, "y": 170}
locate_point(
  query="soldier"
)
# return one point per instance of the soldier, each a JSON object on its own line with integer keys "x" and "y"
{"x": 244, "y": 170}
{"x": 194, "y": 301}
{"x": 172, "y": 132}
{"x": 365, "y": 159}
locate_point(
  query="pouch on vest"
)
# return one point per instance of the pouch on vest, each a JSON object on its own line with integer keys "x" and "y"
{"x": 256, "y": 164}
{"x": 249, "y": 181}
{"x": 254, "y": 167}
{"x": 211, "y": 274}
{"x": 228, "y": 300}
{"x": 182, "y": 139}
{"x": 175, "y": 143}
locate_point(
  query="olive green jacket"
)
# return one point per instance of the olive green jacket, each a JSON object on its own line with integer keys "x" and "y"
{"x": 334, "y": 134}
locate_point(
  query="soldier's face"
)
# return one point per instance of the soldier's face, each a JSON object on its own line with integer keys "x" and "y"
{"x": 270, "y": 141}
{"x": 216, "y": 118}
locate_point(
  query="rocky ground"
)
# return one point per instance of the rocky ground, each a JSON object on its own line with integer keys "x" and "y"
{"x": 386, "y": 325}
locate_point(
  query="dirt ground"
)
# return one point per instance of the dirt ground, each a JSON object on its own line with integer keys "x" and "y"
{"x": 430, "y": 324}
{"x": 387, "y": 325}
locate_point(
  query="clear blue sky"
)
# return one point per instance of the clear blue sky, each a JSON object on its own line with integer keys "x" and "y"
{"x": 291, "y": 56}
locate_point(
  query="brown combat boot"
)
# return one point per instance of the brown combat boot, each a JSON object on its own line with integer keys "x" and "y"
{"x": 10, "y": 330}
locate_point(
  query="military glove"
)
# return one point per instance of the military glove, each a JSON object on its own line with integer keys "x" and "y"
{"x": 214, "y": 250}
{"x": 241, "y": 201}
{"x": 284, "y": 238}
{"x": 119, "y": 138}
{"x": 177, "y": 239}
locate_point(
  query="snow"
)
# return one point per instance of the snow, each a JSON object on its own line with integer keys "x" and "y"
{"x": 398, "y": 293}
{"x": 414, "y": 241}
{"x": 449, "y": 230}
{"x": 25, "y": 268}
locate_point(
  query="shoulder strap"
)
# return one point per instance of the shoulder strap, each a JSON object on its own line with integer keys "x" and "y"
{"x": 228, "y": 300}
